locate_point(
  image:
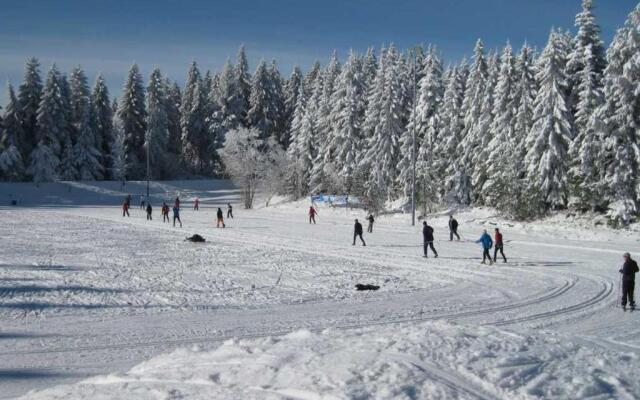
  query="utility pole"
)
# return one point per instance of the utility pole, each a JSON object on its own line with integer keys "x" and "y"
{"x": 413, "y": 151}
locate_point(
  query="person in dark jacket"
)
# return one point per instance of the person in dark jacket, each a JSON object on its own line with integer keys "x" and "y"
{"x": 453, "y": 228}
{"x": 427, "y": 238}
{"x": 149, "y": 211}
{"x": 220, "y": 220}
{"x": 487, "y": 243}
{"x": 176, "y": 216}
{"x": 357, "y": 232}
{"x": 499, "y": 246}
{"x": 312, "y": 214}
{"x": 125, "y": 209}
{"x": 229, "y": 211}
{"x": 165, "y": 212}
{"x": 629, "y": 270}
{"x": 371, "y": 221}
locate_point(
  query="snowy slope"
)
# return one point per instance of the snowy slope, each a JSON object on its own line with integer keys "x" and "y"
{"x": 84, "y": 291}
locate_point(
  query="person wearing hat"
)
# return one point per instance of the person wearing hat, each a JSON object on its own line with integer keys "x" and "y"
{"x": 628, "y": 271}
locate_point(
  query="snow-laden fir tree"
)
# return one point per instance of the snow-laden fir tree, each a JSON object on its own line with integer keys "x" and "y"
{"x": 500, "y": 132}
{"x": 550, "y": 135}
{"x": 173, "y": 102}
{"x": 277, "y": 105}
{"x": 309, "y": 81}
{"x": 11, "y": 134}
{"x": 86, "y": 155}
{"x": 369, "y": 68}
{"x": 230, "y": 98}
{"x": 587, "y": 37}
{"x": 80, "y": 96}
{"x": 118, "y": 156}
{"x": 195, "y": 129}
{"x": 157, "y": 126}
{"x": 291, "y": 90}
{"x": 346, "y": 116}
{"x": 242, "y": 83}
{"x": 67, "y": 169}
{"x": 621, "y": 114}
{"x": 263, "y": 113}
{"x": 524, "y": 98}
{"x": 301, "y": 147}
{"x": 133, "y": 114}
{"x": 29, "y": 96}
{"x": 102, "y": 114}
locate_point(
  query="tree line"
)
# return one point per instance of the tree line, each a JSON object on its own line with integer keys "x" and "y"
{"x": 524, "y": 131}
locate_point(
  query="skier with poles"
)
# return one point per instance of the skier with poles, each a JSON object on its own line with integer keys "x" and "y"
{"x": 220, "y": 220}
{"x": 371, "y": 221}
{"x": 312, "y": 214}
{"x": 427, "y": 237}
{"x": 629, "y": 270}
{"x": 196, "y": 204}
{"x": 229, "y": 211}
{"x": 149, "y": 211}
{"x": 176, "y": 216}
{"x": 165, "y": 212}
{"x": 357, "y": 232}
{"x": 499, "y": 246}
{"x": 487, "y": 243}
{"x": 125, "y": 208}
{"x": 453, "y": 228}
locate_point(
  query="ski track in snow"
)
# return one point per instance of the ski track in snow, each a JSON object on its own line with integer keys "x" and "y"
{"x": 85, "y": 291}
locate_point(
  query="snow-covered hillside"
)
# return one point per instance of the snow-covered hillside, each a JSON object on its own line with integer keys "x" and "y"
{"x": 270, "y": 304}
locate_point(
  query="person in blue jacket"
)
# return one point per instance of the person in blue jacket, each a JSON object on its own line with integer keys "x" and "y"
{"x": 487, "y": 243}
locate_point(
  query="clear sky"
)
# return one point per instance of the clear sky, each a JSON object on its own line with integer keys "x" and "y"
{"x": 109, "y": 35}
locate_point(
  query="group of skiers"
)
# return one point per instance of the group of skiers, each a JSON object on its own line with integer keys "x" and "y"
{"x": 145, "y": 205}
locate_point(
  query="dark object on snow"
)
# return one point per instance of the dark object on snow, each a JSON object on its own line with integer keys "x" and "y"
{"x": 360, "y": 286}
{"x": 14, "y": 202}
{"x": 196, "y": 239}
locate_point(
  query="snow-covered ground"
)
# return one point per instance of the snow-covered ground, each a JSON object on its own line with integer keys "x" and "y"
{"x": 113, "y": 307}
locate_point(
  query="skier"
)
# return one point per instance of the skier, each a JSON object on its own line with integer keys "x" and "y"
{"x": 128, "y": 200}
{"x": 453, "y": 228}
{"x": 499, "y": 246}
{"x": 142, "y": 202}
{"x": 125, "y": 208}
{"x": 427, "y": 237}
{"x": 220, "y": 220}
{"x": 149, "y": 211}
{"x": 357, "y": 231}
{"x": 176, "y": 216}
{"x": 196, "y": 204}
{"x": 229, "y": 211}
{"x": 628, "y": 271}
{"x": 165, "y": 212}
{"x": 176, "y": 203}
{"x": 487, "y": 243}
{"x": 312, "y": 214}
{"x": 371, "y": 221}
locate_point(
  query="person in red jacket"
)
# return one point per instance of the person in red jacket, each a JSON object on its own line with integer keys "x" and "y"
{"x": 125, "y": 209}
{"x": 499, "y": 246}
{"x": 312, "y": 214}
{"x": 196, "y": 204}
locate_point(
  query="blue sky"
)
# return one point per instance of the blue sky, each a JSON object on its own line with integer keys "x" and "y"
{"x": 108, "y": 36}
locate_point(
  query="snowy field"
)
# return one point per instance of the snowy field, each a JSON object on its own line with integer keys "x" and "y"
{"x": 96, "y": 306}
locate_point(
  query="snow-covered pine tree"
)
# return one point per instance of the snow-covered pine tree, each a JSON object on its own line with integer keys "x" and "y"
{"x": 291, "y": 91}
{"x": 524, "y": 98}
{"x": 301, "y": 147}
{"x": 262, "y": 112}
{"x": 118, "y": 156}
{"x": 500, "y": 132}
{"x": 174, "y": 101}
{"x": 347, "y": 113}
{"x": 588, "y": 36}
{"x": 230, "y": 98}
{"x": 369, "y": 68}
{"x": 133, "y": 114}
{"x": 157, "y": 126}
{"x": 242, "y": 83}
{"x": 309, "y": 81}
{"x": 29, "y": 96}
{"x": 86, "y": 155}
{"x": 621, "y": 114}
{"x": 277, "y": 105}
{"x": 11, "y": 162}
{"x": 103, "y": 123}
{"x": 195, "y": 129}
{"x": 550, "y": 135}
{"x": 67, "y": 169}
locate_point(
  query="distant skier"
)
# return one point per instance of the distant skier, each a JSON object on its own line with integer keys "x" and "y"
{"x": 499, "y": 246}
{"x": 220, "y": 220}
{"x": 371, "y": 221}
{"x": 142, "y": 203}
{"x": 487, "y": 243}
{"x": 427, "y": 238}
{"x": 176, "y": 216}
{"x": 629, "y": 270}
{"x": 453, "y": 228}
{"x": 149, "y": 211}
{"x": 312, "y": 214}
{"x": 196, "y": 204}
{"x": 128, "y": 200}
{"x": 357, "y": 232}
{"x": 165, "y": 212}
{"x": 176, "y": 203}
{"x": 125, "y": 208}
{"x": 229, "y": 211}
